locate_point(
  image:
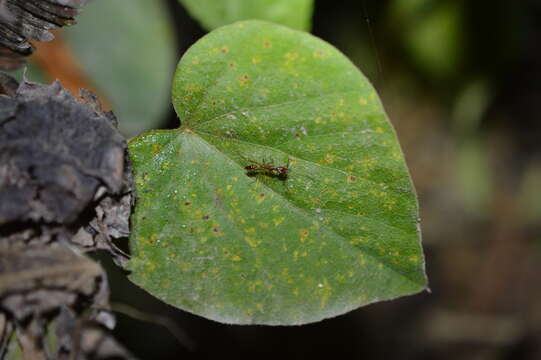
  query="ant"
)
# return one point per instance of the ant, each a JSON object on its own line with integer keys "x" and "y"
{"x": 264, "y": 168}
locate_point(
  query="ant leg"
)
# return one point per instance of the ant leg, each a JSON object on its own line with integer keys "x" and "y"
{"x": 286, "y": 186}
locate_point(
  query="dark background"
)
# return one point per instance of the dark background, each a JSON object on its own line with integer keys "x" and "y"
{"x": 461, "y": 82}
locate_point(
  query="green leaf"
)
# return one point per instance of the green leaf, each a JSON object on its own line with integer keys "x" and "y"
{"x": 340, "y": 232}
{"x": 128, "y": 50}
{"x": 215, "y": 13}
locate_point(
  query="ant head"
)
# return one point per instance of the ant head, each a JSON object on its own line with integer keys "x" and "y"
{"x": 282, "y": 175}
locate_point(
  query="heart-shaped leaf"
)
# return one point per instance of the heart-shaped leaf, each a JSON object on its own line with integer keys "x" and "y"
{"x": 323, "y": 221}
{"x": 215, "y": 13}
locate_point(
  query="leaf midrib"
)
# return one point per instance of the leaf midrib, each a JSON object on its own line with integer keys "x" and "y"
{"x": 289, "y": 203}
{"x": 270, "y": 106}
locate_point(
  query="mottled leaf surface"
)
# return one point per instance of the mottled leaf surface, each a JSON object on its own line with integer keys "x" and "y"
{"x": 214, "y": 13}
{"x": 127, "y": 48}
{"x": 340, "y": 232}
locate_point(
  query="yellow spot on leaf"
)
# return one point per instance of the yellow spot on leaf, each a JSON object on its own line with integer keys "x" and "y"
{"x": 329, "y": 159}
{"x": 304, "y": 235}
{"x": 278, "y": 221}
{"x": 362, "y": 100}
{"x": 368, "y": 163}
{"x": 358, "y": 241}
{"x": 235, "y": 258}
{"x": 251, "y": 241}
{"x": 256, "y": 60}
{"x": 389, "y": 204}
{"x": 291, "y": 55}
{"x": 184, "y": 266}
{"x": 155, "y": 148}
{"x": 243, "y": 80}
{"x": 362, "y": 261}
{"x": 150, "y": 267}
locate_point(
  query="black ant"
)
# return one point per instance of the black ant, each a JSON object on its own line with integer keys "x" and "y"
{"x": 264, "y": 168}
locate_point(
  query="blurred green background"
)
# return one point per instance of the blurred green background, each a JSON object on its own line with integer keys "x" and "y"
{"x": 461, "y": 82}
